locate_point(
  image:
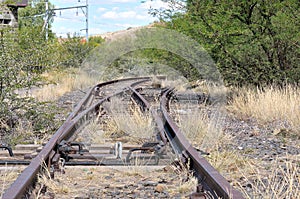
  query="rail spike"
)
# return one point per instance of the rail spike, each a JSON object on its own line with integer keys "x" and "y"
{"x": 60, "y": 148}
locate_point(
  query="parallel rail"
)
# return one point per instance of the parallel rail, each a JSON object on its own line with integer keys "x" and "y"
{"x": 211, "y": 181}
{"x": 27, "y": 178}
{"x": 210, "y": 178}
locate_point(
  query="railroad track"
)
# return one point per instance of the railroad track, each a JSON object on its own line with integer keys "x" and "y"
{"x": 69, "y": 146}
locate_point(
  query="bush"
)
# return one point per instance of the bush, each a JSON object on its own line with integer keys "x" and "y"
{"x": 25, "y": 55}
{"x": 72, "y": 51}
{"x": 252, "y": 42}
{"x": 21, "y": 63}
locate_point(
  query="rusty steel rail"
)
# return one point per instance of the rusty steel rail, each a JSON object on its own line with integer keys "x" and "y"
{"x": 209, "y": 177}
{"x": 81, "y": 113}
{"x": 145, "y": 105}
{"x": 169, "y": 132}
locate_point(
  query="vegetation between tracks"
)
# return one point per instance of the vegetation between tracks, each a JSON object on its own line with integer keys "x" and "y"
{"x": 26, "y": 53}
{"x": 256, "y": 178}
{"x": 255, "y": 49}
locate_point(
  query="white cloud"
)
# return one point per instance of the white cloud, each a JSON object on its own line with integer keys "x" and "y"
{"x": 124, "y": 1}
{"x": 156, "y": 4}
{"x": 124, "y": 15}
{"x": 110, "y": 15}
{"x": 128, "y": 14}
{"x": 100, "y": 9}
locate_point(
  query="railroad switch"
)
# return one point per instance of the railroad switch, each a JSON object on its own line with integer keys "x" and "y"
{"x": 65, "y": 148}
{"x": 62, "y": 156}
{"x": 8, "y": 148}
{"x": 155, "y": 148}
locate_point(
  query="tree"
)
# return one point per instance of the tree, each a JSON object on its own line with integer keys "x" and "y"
{"x": 33, "y": 17}
{"x": 16, "y": 72}
{"x": 24, "y": 55}
{"x": 251, "y": 41}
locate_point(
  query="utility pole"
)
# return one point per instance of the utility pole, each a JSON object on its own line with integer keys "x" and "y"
{"x": 50, "y": 12}
{"x": 87, "y": 22}
{"x": 47, "y": 19}
{"x": 86, "y": 13}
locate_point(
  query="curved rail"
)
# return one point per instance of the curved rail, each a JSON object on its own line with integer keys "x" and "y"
{"x": 146, "y": 106}
{"x": 209, "y": 177}
{"x": 19, "y": 188}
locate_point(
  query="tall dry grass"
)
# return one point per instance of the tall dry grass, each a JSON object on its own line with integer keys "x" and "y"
{"x": 8, "y": 175}
{"x": 187, "y": 181}
{"x": 62, "y": 82}
{"x": 271, "y": 104}
{"x": 279, "y": 180}
{"x": 92, "y": 133}
{"x": 194, "y": 125}
{"x": 129, "y": 123}
{"x": 203, "y": 130}
{"x": 57, "y": 185}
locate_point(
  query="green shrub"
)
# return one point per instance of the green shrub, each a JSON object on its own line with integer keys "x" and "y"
{"x": 252, "y": 42}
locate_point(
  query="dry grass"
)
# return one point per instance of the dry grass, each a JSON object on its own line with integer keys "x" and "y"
{"x": 91, "y": 182}
{"x": 130, "y": 124}
{"x": 179, "y": 84}
{"x": 201, "y": 129}
{"x": 7, "y": 176}
{"x": 267, "y": 180}
{"x": 257, "y": 179}
{"x": 228, "y": 163}
{"x": 52, "y": 185}
{"x": 194, "y": 125}
{"x": 189, "y": 186}
{"x": 187, "y": 183}
{"x": 137, "y": 169}
{"x": 279, "y": 107}
{"x": 270, "y": 104}
{"x": 92, "y": 133}
{"x": 280, "y": 180}
{"x": 61, "y": 83}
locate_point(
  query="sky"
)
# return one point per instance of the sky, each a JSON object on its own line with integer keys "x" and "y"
{"x": 104, "y": 16}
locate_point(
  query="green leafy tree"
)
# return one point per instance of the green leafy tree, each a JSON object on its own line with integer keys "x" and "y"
{"x": 24, "y": 55}
{"x": 34, "y": 16}
{"x": 72, "y": 51}
{"x": 31, "y": 36}
{"x": 17, "y": 73}
{"x": 252, "y": 42}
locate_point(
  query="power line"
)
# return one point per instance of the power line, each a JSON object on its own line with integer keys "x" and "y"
{"x": 51, "y": 12}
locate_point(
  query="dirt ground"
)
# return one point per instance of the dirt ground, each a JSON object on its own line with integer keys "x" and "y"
{"x": 118, "y": 182}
